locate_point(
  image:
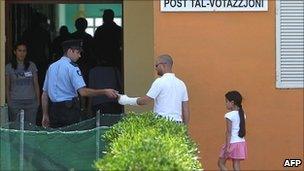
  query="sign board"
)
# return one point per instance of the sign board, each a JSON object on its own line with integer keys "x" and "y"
{"x": 213, "y": 5}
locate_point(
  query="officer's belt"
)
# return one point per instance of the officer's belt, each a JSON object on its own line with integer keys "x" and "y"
{"x": 67, "y": 103}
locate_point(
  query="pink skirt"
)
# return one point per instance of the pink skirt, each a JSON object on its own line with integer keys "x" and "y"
{"x": 237, "y": 151}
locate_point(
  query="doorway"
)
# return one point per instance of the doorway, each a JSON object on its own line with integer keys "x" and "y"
{"x": 23, "y": 19}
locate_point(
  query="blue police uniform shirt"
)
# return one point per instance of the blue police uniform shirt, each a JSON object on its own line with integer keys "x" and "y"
{"x": 62, "y": 80}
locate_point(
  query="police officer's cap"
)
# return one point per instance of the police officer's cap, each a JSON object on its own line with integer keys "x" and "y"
{"x": 75, "y": 44}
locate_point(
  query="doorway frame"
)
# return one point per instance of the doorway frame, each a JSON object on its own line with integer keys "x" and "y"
{"x": 2, "y": 54}
{"x": 138, "y": 51}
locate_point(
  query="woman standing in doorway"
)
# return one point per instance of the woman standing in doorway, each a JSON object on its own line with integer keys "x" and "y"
{"x": 22, "y": 88}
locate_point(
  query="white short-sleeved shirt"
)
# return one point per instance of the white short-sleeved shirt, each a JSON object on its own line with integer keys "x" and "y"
{"x": 62, "y": 80}
{"x": 234, "y": 117}
{"x": 168, "y": 93}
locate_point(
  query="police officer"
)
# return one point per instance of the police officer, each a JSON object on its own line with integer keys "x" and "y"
{"x": 63, "y": 82}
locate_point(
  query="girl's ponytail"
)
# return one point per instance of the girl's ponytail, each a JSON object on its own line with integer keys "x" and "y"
{"x": 242, "y": 131}
{"x": 236, "y": 97}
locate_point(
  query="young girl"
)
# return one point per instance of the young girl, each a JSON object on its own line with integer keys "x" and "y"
{"x": 22, "y": 89}
{"x": 235, "y": 147}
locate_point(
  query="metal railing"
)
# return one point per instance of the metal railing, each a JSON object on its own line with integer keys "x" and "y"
{"x": 3, "y": 114}
{"x": 98, "y": 134}
{"x": 21, "y": 114}
{"x": 22, "y": 129}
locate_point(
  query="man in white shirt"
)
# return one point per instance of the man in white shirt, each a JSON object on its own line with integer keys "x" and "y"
{"x": 168, "y": 93}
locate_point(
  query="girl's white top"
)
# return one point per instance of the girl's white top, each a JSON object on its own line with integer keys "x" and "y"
{"x": 234, "y": 117}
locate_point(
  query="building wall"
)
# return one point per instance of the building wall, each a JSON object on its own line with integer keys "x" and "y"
{"x": 138, "y": 49}
{"x": 219, "y": 51}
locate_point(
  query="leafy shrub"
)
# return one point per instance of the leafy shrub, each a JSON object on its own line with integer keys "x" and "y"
{"x": 147, "y": 142}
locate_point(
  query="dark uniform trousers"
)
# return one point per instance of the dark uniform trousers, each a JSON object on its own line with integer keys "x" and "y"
{"x": 64, "y": 113}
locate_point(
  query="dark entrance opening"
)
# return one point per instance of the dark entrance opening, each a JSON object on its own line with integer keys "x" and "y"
{"x": 22, "y": 16}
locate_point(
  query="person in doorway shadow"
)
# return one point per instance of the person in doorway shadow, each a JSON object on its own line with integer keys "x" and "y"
{"x": 104, "y": 76}
{"x": 108, "y": 40}
{"x": 56, "y": 48}
{"x": 37, "y": 39}
{"x": 86, "y": 62}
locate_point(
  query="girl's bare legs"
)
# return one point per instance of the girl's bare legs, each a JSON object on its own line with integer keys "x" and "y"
{"x": 236, "y": 164}
{"x": 221, "y": 164}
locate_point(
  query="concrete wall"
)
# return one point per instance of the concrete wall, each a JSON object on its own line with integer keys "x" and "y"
{"x": 219, "y": 51}
{"x": 138, "y": 49}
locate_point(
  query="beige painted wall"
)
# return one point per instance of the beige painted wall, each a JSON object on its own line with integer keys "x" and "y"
{"x": 219, "y": 51}
{"x": 138, "y": 49}
{"x": 2, "y": 52}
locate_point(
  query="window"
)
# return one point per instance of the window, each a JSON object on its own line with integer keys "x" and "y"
{"x": 290, "y": 44}
{"x": 93, "y": 23}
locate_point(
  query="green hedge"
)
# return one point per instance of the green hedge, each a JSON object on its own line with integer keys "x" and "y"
{"x": 147, "y": 142}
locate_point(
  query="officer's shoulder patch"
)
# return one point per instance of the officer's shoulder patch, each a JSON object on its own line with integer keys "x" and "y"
{"x": 74, "y": 64}
{"x": 79, "y": 72}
